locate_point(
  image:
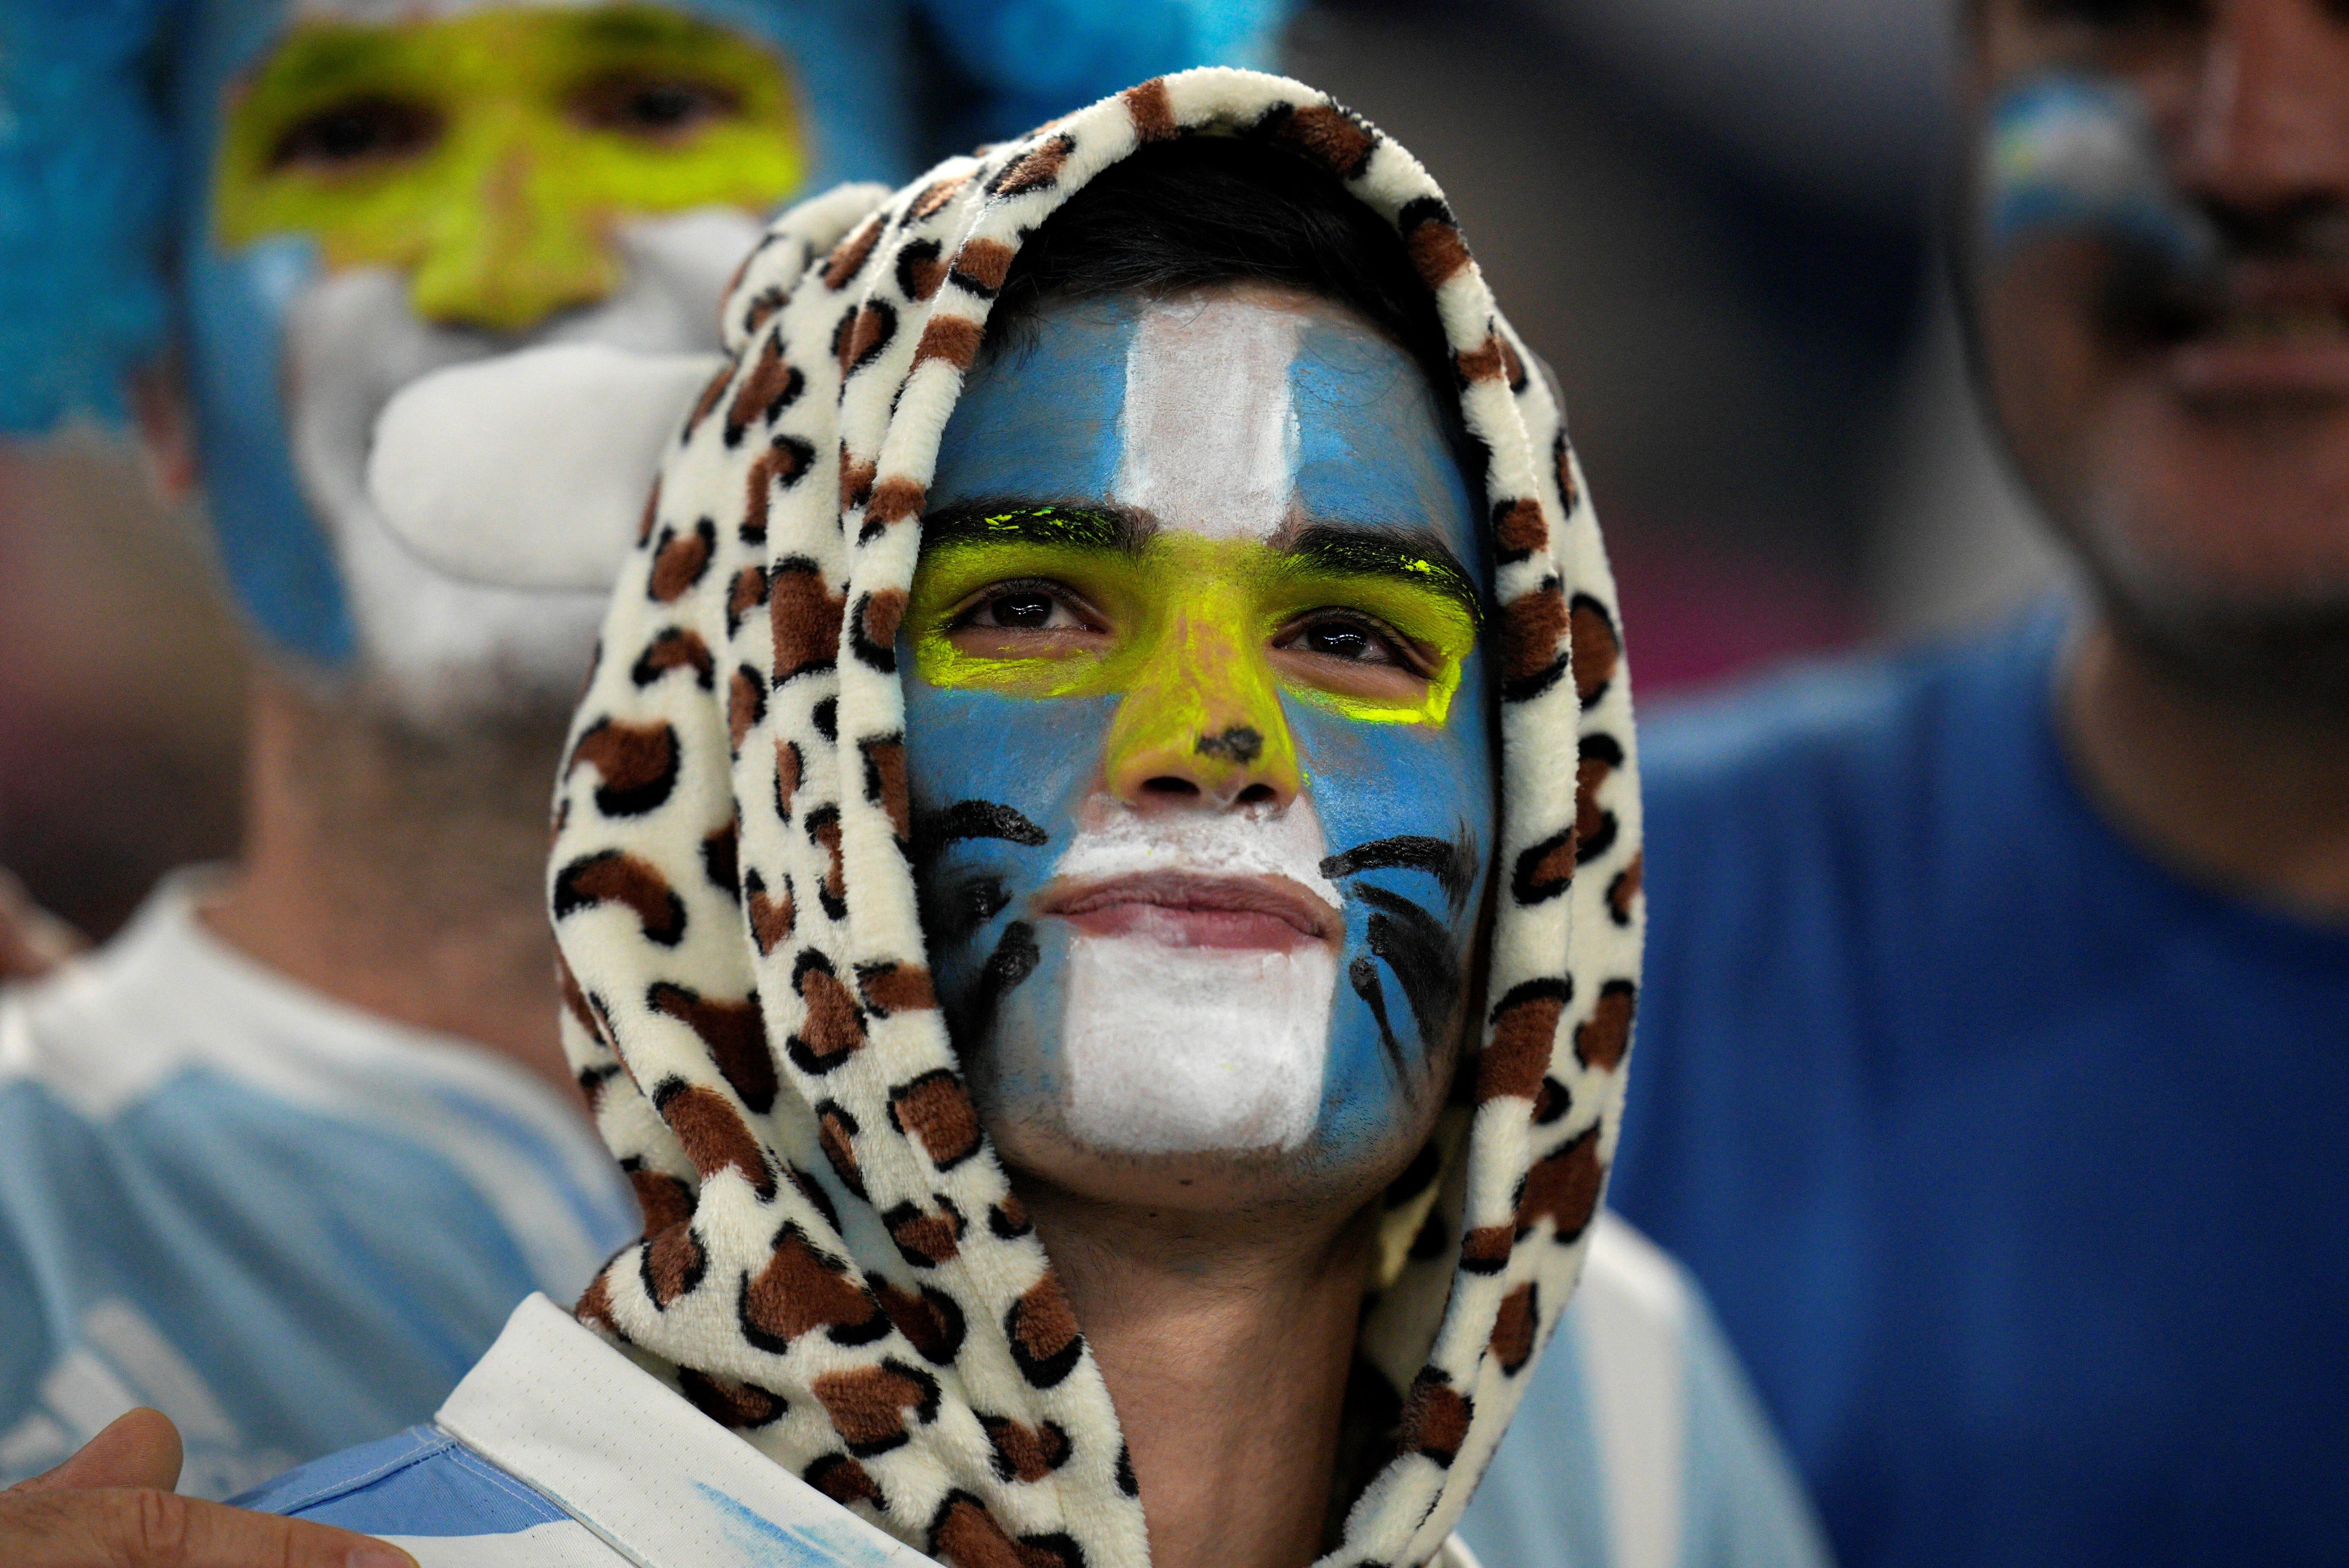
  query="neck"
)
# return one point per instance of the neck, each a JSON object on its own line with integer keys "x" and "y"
{"x": 2251, "y": 797}
{"x": 400, "y": 873}
{"x": 1227, "y": 1345}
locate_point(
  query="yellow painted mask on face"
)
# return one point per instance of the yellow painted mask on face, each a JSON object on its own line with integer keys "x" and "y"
{"x": 494, "y": 157}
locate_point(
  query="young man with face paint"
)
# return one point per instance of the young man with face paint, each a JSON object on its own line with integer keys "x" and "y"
{"x": 1992, "y": 1061}
{"x": 1072, "y": 914}
{"x": 281, "y": 1158}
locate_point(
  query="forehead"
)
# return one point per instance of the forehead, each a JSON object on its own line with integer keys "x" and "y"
{"x": 1231, "y": 413}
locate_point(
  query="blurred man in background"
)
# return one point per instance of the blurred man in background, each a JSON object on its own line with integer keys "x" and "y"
{"x": 280, "y": 1158}
{"x": 1992, "y": 1059}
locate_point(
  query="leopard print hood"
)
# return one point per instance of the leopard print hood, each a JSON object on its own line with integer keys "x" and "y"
{"x": 834, "y": 1263}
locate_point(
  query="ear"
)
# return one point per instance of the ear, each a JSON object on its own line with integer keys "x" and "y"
{"x": 157, "y": 394}
{"x": 529, "y": 471}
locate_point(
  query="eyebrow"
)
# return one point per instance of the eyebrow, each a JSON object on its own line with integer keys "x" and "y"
{"x": 1418, "y": 560}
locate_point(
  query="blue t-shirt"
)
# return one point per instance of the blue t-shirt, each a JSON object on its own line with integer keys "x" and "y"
{"x": 2016, "y": 1165}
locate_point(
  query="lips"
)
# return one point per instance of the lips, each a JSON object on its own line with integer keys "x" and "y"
{"x": 2276, "y": 329}
{"x": 1184, "y": 909}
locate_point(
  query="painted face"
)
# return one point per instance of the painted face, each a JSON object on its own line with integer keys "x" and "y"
{"x": 394, "y": 189}
{"x": 1199, "y": 731}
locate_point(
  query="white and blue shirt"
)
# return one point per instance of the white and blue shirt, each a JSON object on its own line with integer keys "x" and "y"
{"x": 288, "y": 1225}
{"x": 1637, "y": 1447}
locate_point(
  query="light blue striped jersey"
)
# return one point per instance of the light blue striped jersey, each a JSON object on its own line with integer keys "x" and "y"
{"x": 286, "y": 1223}
{"x": 1637, "y": 1447}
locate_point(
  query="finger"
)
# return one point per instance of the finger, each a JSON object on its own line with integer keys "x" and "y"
{"x": 141, "y": 1449}
{"x": 141, "y": 1528}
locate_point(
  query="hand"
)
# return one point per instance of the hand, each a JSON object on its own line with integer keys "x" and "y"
{"x": 111, "y": 1506}
{"x": 31, "y": 941}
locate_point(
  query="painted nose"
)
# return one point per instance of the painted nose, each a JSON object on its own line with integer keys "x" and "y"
{"x": 1201, "y": 727}
{"x": 517, "y": 250}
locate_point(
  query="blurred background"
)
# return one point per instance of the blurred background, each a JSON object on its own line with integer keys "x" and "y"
{"x": 1716, "y": 219}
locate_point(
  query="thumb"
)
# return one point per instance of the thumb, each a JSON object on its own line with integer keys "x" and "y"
{"x": 141, "y": 1449}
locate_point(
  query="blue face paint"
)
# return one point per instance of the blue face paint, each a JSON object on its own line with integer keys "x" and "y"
{"x": 1114, "y": 413}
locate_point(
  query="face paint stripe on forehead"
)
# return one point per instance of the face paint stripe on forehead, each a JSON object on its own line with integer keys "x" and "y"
{"x": 1210, "y": 434}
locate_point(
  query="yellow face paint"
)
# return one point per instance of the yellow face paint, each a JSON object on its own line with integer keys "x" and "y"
{"x": 1189, "y": 628}
{"x": 494, "y": 157}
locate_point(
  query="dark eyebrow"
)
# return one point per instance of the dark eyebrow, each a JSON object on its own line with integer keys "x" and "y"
{"x": 1421, "y": 560}
{"x": 993, "y": 521}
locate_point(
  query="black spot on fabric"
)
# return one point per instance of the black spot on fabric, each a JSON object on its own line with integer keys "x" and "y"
{"x": 826, "y": 716}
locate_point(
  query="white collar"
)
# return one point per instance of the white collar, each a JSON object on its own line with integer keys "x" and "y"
{"x": 626, "y": 1456}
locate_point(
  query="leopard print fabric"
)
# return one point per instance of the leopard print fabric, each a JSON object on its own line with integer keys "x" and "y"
{"x": 834, "y": 1265}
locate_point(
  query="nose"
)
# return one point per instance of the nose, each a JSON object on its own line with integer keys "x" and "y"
{"x": 2268, "y": 125}
{"x": 1201, "y": 727}
{"x": 516, "y": 243}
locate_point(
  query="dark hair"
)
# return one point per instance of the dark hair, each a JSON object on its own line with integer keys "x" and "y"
{"x": 1219, "y": 210}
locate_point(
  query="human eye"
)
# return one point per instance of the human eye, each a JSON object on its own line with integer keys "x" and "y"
{"x": 357, "y": 130}
{"x": 1024, "y": 616}
{"x": 655, "y": 108}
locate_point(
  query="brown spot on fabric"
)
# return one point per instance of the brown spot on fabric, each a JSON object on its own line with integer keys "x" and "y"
{"x": 1152, "y": 110}
{"x": 831, "y": 1031}
{"x": 663, "y": 1199}
{"x": 1532, "y": 624}
{"x": 1485, "y": 1249}
{"x": 895, "y": 500}
{"x": 835, "y": 1131}
{"x": 935, "y": 198}
{"x": 868, "y": 1404}
{"x": 869, "y": 338}
{"x": 746, "y": 704}
{"x": 771, "y": 917}
{"x": 772, "y": 386}
{"x": 874, "y": 633}
{"x": 802, "y": 1289}
{"x": 1563, "y": 1189}
{"x": 1035, "y": 170}
{"x": 734, "y": 1034}
{"x": 982, "y": 265}
{"x": 1519, "y": 529}
{"x": 574, "y": 1000}
{"x": 921, "y": 268}
{"x": 1597, "y": 648}
{"x": 673, "y": 1263}
{"x": 761, "y": 310}
{"x": 784, "y": 462}
{"x": 702, "y": 405}
{"x": 848, "y": 257}
{"x": 1432, "y": 237}
{"x": 636, "y": 764}
{"x": 842, "y": 1480}
{"x": 615, "y": 876}
{"x": 951, "y": 338}
{"x": 744, "y": 594}
{"x": 1322, "y": 133}
{"x": 855, "y": 483}
{"x": 936, "y": 1111}
{"x": 884, "y": 782}
{"x": 929, "y": 1319}
{"x": 594, "y": 1307}
{"x": 1604, "y": 1037}
{"x": 1623, "y": 892}
{"x": 713, "y": 1134}
{"x": 1483, "y": 363}
{"x": 1570, "y": 489}
{"x": 926, "y": 1237}
{"x": 1023, "y": 1452}
{"x": 1516, "y": 1328}
{"x": 1008, "y": 1220}
{"x": 964, "y": 1534}
{"x": 1512, "y": 367}
{"x": 1544, "y": 870}
{"x": 806, "y": 615}
{"x": 681, "y": 559}
{"x": 787, "y": 777}
{"x": 1043, "y": 1328}
{"x": 831, "y": 888}
{"x": 1435, "y": 1418}
{"x": 890, "y": 988}
{"x": 1524, "y": 1026}
{"x": 1594, "y": 826}
{"x": 1554, "y": 1102}
{"x": 741, "y": 1406}
{"x": 674, "y": 649}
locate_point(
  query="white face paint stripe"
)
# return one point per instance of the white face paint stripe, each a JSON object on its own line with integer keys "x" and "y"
{"x": 1210, "y": 435}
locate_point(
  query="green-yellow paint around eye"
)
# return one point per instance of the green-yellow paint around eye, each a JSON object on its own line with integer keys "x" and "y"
{"x": 510, "y": 212}
{"x": 1182, "y": 601}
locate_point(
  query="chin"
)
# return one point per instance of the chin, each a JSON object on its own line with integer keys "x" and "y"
{"x": 447, "y": 656}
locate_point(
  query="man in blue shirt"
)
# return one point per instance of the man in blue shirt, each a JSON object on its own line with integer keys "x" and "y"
{"x": 1994, "y": 1051}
